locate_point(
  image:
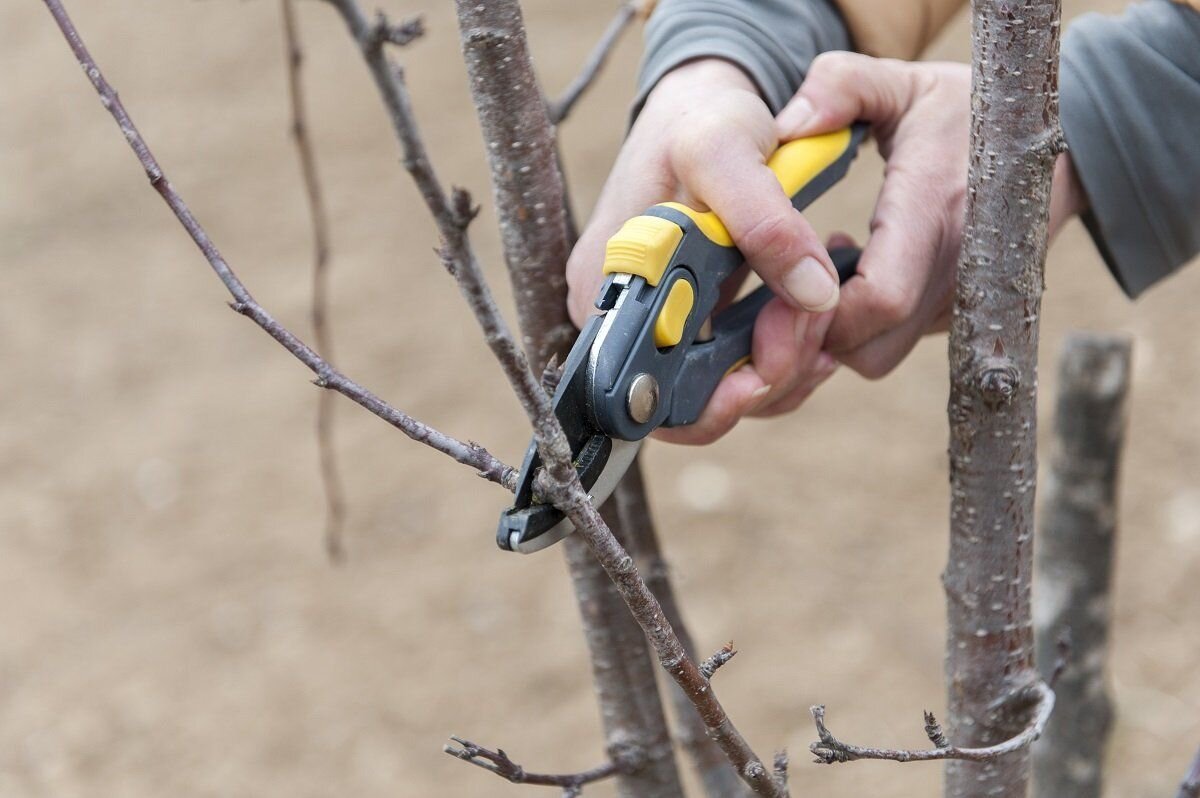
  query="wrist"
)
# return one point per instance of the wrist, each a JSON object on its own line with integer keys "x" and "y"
{"x": 1067, "y": 197}
{"x": 704, "y": 73}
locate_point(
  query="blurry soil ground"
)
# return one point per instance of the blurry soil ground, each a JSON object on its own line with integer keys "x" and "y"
{"x": 169, "y": 624}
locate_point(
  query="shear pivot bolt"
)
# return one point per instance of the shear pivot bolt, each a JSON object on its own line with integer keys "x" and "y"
{"x": 643, "y": 397}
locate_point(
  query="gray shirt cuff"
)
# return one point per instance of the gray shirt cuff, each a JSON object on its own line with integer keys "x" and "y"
{"x": 773, "y": 41}
{"x": 1130, "y": 108}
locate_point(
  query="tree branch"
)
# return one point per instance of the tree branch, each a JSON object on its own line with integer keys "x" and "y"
{"x": 992, "y": 408}
{"x": 468, "y": 453}
{"x": 560, "y": 108}
{"x": 830, "y": 749}
{"x": 529, "y": 198}
{"x": 498, "y": 762}
{"x": 335, "y": 503}
{"x": 633, "y": 506}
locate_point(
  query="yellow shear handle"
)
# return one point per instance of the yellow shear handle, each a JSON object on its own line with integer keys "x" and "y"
{"x": 645, "y": 244}
{"x": 795, "y": 164}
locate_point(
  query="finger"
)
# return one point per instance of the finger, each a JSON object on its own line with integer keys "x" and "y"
{"x": 824, "y": 368}
{"x": 841, "y": 88}
{"x": 730, "y": 176}
{"x": 736, "y": 395}
{"x": 786, "y": 346}
{"x": 637, "y": 181}
{"x": 894, "y": 270}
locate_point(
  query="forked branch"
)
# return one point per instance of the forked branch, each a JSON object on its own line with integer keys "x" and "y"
{"x": 830, "y": 749}
{"x": 498, "y": 762}
{"x": 327, "y": 376}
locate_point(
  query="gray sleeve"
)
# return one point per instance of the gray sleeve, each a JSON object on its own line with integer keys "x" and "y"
{"x": 773, "y": 41}
{"x": 1130, "y": 108}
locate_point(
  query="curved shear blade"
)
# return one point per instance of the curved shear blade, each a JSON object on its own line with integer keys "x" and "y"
{"x": 599, "y": 460}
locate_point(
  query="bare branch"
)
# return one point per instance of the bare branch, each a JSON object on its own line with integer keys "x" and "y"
{"x": 710, "y": 665}
{"x": 452, "y": 214}
{"x": 560, "y": 109}
{"x": 633, "y": 506}
{"x": 471, "y": 454}
{"x": 498, "y": 762}
{"x": 400, "y": 34}
{"x": 335, "y": 503}
{"x": 649, "y": 614}
{"x": 1190, "y": 788}
{"x": 830, "y": 749}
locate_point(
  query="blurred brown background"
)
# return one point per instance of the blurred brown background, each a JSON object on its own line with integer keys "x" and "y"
{"x": 169, "y": 623}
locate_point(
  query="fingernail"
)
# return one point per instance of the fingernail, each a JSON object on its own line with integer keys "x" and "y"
{"x": 757, "y": 397}
{"x": 796, "y": 116}
{"x": 811, "y": 285}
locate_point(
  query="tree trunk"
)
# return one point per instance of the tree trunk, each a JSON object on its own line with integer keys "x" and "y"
{"x": 719, "y": 780}
{"x": 993, "y": 388}
{"x": 531, "y": 206}
{"x": 1073, "y": 565}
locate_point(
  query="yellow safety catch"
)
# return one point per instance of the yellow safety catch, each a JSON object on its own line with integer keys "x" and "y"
{"x": 643, "y": 247}
{"x": 668, "y": 327}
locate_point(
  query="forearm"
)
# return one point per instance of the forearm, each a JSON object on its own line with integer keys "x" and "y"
{"x": 772, "y": 41}
{"x": 1130, "y": 93}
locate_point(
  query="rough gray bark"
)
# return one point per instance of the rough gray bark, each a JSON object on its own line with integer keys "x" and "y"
{"x": 1073, "y": 564}
{"x": 531, "y": 205}
{"x": 717, "y": 778}
{"x": 526, "y": 181}
{"x": 1015, "y": 139}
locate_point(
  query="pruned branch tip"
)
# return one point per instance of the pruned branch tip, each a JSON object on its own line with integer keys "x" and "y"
{"x": 829, "y": 749}
{"x": 501, "y": 764}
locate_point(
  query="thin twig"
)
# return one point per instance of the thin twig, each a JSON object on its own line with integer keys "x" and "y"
{"x": 453, "y": 214}
{"x": 560, "y": 108}
{"x": 335, "y": 503}
{"x": 468, "y": 453}
{"x": 830, "y": 749}
{"x": 498, "y": 762}
{"x": 1190, "y": 788}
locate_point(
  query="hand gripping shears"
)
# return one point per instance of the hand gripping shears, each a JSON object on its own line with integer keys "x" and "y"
{"x": 654, "y": 355}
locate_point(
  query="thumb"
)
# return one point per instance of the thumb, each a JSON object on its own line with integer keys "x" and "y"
{"x": 845, "y": 87}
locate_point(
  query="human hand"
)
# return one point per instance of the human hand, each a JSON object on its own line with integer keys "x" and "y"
{"x": 920, "y": 116}
{"x": 703, "y": 138}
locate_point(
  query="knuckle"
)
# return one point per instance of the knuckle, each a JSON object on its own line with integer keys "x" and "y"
{"x": 771, "y": 239}
{"x": 894, "y": 306}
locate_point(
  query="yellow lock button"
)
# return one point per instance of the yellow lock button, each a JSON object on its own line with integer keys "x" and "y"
{"x": 643, "y": 247}
{"x": 668, "y": 327}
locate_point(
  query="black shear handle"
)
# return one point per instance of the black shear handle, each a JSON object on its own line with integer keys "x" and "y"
{"x": 708, "y": 362}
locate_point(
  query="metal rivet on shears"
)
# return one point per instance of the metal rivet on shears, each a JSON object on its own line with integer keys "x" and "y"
{"x": 643, "y": 397}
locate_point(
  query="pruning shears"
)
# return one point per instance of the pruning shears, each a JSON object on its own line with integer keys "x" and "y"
{"x": 655, "y": 354}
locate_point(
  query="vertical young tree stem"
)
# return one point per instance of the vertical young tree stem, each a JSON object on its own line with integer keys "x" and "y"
{"x": 993, "y": 388}
{"x": 633, "y": 509}
{"x": 1073, "y": 566}
{"x": 531, "y": 205}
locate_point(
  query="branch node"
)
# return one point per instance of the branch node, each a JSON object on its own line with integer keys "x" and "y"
{"x": 998, "y": 380}
{"x": 933, "y": 730}
{"x": 400, "y": 34}
{"x": 713, "y": 663}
